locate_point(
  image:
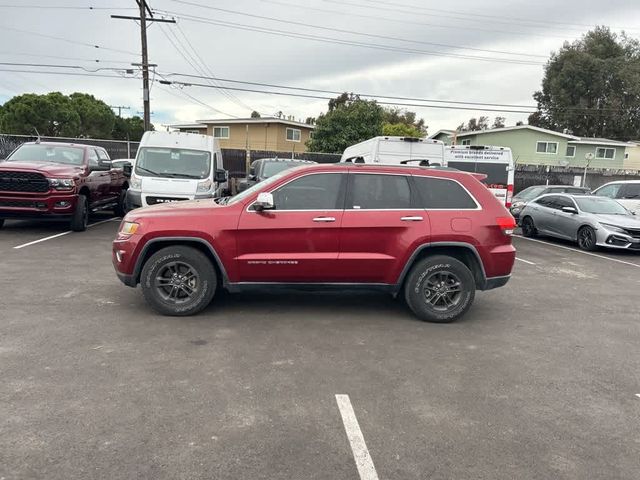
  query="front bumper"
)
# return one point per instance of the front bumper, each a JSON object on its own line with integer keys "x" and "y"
{"x": 52, "y": 205}
{"x": 622, "y": 241}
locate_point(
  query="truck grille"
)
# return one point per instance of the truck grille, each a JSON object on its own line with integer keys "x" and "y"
{"x": 23, "y": 182}
{"x": 156, "y": 200}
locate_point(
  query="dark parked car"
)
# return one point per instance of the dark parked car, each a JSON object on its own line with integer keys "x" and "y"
{"x": 264, "y": 168}
{"x": 432, "y": 236}
{"x": 60, "y": 180}
{"x": 521, "y": 199}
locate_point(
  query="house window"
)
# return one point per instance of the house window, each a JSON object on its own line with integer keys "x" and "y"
{"x": 192, "y": 131}
{"x": 626, "y": 156}
{"x": 549, "y": 148}
{"x": 466, "y": 141}
{"x": 293, "y": 135}
{"x": 220, "y": 132}
{"x": 571, "y": 151}
{"x": 605, "y": 153}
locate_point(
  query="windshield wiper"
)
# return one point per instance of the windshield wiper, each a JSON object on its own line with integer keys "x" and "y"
{"x": 147, "y": 170}
{"x": 180, "y": 175}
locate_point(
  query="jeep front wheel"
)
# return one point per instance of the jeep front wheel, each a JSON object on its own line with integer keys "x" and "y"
{"x": 439, "y": 289}
{"x": 178, "y": 281}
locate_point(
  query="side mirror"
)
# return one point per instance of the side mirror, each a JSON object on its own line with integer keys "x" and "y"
{"x": 220, "y": 176}
{"x": 264, "y": 201}
{"x": 569, "y": 210}
{"x": 127, "y": 168}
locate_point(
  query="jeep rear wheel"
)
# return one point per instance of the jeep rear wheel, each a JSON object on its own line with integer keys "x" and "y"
{"x": 80, "y": 217}
{"x": 178, "y": 281}
{"x": 439, "y": 289}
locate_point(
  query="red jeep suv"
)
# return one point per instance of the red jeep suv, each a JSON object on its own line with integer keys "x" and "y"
{"x": 434, "y": 235}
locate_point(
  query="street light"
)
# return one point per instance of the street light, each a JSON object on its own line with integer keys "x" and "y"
{"x": 588, "y": 156}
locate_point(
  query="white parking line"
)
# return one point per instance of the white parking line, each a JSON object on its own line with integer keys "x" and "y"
{"x": 579, "y": 251}
{"x": 525, "y": 261}
{"x": 61, "y": 234}
{"x": 359, "y": 448}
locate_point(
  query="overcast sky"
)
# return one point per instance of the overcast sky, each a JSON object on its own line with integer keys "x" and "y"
{"x": 428, "y": 56}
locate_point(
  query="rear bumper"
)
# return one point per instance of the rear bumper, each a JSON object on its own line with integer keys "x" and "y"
{"x": 38, "y": 206}
{"x": 496, "y": 282}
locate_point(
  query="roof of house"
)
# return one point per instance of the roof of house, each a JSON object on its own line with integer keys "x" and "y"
{"x": 448, "y": 132}
{"x": 187, "y": 125}
{"x": 571, "y": 138}
{"x": 234, "y": 121}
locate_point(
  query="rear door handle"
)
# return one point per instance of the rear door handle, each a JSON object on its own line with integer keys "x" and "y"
{"x": 411, "y": 219}
{"x": 324, "y": 219}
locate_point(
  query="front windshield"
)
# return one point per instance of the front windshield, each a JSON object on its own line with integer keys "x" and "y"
{"x": 48, "y": 153}
{"x": 271, "y": 168}
{"x": 529, "y": 193}
{"x": 255, "y": 188}
{"x": 172, "y": 163}
{"x": 601, "y": 206}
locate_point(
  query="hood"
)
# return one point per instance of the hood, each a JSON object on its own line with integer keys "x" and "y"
{"x": 169, "y": 186}
{"x": 184, "y": 208}
{"x": 48, "y": 169}
{"x": 624, "y": 221}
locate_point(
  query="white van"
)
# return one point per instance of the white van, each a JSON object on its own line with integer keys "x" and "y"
{"x": 395, "y": 150}
{"x": 625, "y": 192}
{"x": 495, "y": 162}
{"x": 174, "y": 166}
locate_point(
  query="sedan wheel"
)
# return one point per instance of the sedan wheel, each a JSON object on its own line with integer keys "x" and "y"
{"x": 587, "y": 239}
{"x": 528, "y": 227}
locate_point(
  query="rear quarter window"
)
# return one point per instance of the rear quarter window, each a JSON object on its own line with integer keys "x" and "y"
{"x": 441, "y": 193}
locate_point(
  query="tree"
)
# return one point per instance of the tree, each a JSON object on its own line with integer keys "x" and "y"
{"x": 130, "y": 128}
{"x": 96, "y": 117}
{"x": 349, "y": 120}
{"x": 255, "y": 114}
{"x": 498, "y": 122}
{"x": 473, "y": 125}
{"x": 58, "y": 115}
{"x": 592, "y": 86}
{"x": 401, "y": 130}
{"x": 52, "y": 114}
{"x": 399, "y": 116}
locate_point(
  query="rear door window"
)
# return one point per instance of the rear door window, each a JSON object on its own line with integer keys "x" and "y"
{"x": 629, "y": 191}
{"x": 379, "y": 192}
{"x": 440, "y": 193}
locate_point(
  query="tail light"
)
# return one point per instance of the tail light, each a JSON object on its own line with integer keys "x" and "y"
{"x": 506, "y": 224}
{"x": 509, "y": 196}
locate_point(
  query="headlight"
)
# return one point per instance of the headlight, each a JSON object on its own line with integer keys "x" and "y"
{"x": 518, "y": 203}
{"x": 204, "y": 186}
{"x": 135, "y": 183}
{"x": 129, "y": 228}
{"x": 61, "y": 183}
{"x": 613, "y": 228}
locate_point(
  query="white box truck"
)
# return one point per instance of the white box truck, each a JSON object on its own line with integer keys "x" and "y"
{"x": 175, "y": 166}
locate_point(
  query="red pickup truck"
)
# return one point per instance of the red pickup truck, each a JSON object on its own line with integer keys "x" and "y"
{"x": 60, "y": 180}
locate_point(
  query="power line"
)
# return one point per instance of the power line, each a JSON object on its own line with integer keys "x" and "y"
{"x": 51, "y": 65}
{"x": 63, "y": 7}
{"x": 77, "y": 59}
{"x": 74, "y": 74}
{"x": 62, "y": 39}
{"x": 352, "y": 32}
{"x": 284, "y": 33}
{"x": 413, "y": 22}
{"x": 194, "y": 99}
{"x": 475, "y": 14}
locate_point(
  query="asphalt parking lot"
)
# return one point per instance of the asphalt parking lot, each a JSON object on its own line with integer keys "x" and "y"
{"x": 541, "y": 380}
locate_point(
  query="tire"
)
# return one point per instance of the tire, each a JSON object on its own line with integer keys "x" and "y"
{"x": 528, "y": 227}
{"x": 164, "y": 287}
{"x": 1, "y": 222}
{"x": 434, "y": 276}
{"x": 80, "y": 217}
{"x": 587, "y": 239}
{"x": 120, "y": 209}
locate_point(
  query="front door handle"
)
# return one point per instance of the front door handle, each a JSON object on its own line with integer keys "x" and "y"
{"x": 324, "y": 219}
{"x": 411, "y": 219}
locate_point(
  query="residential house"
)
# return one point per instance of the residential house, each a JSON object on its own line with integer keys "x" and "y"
{"x": 539, "y": 146}
{"x": 268, "y": 133}
{"x": 445, "y": 136}
{"x": 632, "y": 157}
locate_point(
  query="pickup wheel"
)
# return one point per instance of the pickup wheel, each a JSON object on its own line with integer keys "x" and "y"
{"x": 120, "y": 209}
{"x": 178, "y": 281}
{"x": 439, "y": 289}
{"x": 80, "y": 217}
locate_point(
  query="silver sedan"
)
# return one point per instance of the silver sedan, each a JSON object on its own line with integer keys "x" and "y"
{"x": 590, "y": 221}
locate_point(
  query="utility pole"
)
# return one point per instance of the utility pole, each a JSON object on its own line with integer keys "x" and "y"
{"x": 120, "y": 108}
{"x": 144, "y": 9}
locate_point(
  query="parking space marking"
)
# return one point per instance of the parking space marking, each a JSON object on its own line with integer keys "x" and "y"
{"x": 525, "y": 261}
{"x": 361, "y": 455}
{"x": 51, "y": 237}
{"x": 580, "y": 251}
